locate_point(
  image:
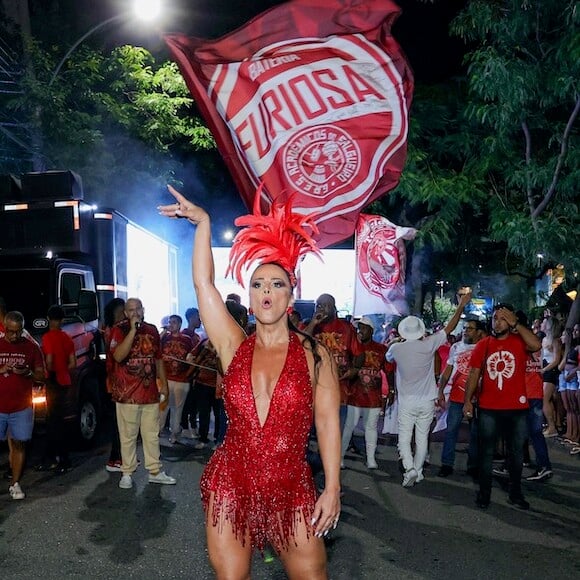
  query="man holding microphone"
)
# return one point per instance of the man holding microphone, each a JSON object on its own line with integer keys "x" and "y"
{"x": 139, "y": 388}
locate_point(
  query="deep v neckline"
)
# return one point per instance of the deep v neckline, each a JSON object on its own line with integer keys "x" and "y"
{"x": 274, "y": 390}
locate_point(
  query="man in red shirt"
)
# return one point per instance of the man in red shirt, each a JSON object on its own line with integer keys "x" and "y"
{"x": 500, "y": 361}
{"x": 193, "y": 324}
{"x": 205, "y": 385}
{"x": 190, "y": 408}
{"x": 176, "y": 348}
{"x": 20, "y": 365}
{"x": 137, "y": 366}
{"x": 339, "y": 336}
{"x": 59, "y": 354}
{"x": 457, "y": 369}
{"x": 366, "y": 393}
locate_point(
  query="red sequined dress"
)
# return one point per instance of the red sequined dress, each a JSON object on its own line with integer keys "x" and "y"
{"x": 259, "y": 480}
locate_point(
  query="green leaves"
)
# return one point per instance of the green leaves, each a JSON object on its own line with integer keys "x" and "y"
{"x": 523, "y": 75}
{"x": 108, "y": 107}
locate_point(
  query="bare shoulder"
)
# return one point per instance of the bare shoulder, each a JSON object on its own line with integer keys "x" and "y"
{"x": 323, "y": 371}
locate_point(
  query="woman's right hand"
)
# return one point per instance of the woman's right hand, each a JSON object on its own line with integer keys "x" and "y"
{"x": 183, "y": 208}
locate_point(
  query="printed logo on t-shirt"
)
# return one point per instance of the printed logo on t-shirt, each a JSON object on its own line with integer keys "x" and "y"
{"x": 462, "y": 362}
{"x": 335, "y": 343}
{"x": 501, "y": 365}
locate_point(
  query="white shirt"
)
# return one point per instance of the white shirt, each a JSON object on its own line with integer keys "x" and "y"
{"x": 415, "y": 372}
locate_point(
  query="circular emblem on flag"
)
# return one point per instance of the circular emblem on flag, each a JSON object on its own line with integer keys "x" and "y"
{"x": 523, "y": 400}
{"x": 379, "y": 263}
{"x": 319, "y": 160}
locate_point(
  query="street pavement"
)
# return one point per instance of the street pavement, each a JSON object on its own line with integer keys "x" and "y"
{"x": 81, "y": 525}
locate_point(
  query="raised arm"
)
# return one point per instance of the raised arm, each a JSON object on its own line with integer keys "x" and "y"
{"x": 463, "y": 301}
{"x": 223, "y": 331}
{"x": 533, "y": 343}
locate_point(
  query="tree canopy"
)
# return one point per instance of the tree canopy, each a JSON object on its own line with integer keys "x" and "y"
{"x": 523, "y": 80}
{"x": 492, "y": 171}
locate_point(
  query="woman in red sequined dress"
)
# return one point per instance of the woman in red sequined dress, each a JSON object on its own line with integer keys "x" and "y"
{"x": 257, "y": 487}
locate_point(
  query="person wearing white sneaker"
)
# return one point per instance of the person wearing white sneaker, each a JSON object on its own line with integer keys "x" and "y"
{"x": 136, "y": 372}
{"x": 16, "y": 491}
{"x": 162, "y": 478}
{"x": 365, "y": 393}
{"x": 410, "y": 477}
{"x": 176, "y": 348}
{"x": 21, "y": 364}
{"x": 126, "y": 481}
{"x": 416, "y": 386}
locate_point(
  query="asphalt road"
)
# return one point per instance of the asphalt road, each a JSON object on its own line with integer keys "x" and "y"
{"x": 81, "y": 525}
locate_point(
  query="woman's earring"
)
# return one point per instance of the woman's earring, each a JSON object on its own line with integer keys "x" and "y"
{"x": 289, "y": 310}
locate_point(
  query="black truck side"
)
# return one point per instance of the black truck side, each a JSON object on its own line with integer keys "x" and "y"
{"x": 57, "y": 249}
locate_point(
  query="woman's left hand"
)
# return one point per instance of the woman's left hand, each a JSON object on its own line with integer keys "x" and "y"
{"x": 326, "y": 512}
{"x": 183, "y": 208}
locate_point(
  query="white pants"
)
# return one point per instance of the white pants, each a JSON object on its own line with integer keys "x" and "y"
{"x": 370, "y": 419}
{"x": 414, "y": 416}
{"x": 132, "y": 419}
{"x": 177, "y": 395}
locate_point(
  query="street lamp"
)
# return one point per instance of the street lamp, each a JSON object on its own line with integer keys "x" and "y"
{"x": 146, "y": 10}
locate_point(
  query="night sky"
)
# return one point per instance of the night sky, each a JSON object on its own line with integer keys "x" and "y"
{"x": 422, "y": 29}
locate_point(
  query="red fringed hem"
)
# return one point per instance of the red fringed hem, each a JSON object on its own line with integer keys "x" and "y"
{"x": 275, "y": 527}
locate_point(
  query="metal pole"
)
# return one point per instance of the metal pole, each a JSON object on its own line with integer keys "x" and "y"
{"x": 82, "y": 38}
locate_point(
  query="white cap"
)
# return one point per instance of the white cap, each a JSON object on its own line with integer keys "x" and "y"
{"x": 411, "y": 328}
{"x": 366, "y": 321}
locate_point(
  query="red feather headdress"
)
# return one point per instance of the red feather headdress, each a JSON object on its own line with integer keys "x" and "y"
{"x": 278, "y": 237}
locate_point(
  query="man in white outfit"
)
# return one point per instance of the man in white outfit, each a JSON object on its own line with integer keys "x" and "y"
{"x": 416, "y": 386}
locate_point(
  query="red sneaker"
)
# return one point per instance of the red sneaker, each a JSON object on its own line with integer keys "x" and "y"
{"x": 113, "y": 466}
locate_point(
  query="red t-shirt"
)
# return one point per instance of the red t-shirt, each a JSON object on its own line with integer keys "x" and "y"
{"x": 176, "y": 346}
{"x": 366, "y": 390}
{"x": 340, "y": 338}
{"x": 206, "y": 358}
{"x": 133, "y": 380}
{"x": 195, "y": 339}
{"x": 443, "y": 352}
{"x": 459, "y": 357}
{"x": 16, "y": 390}
{"x": 534, "y": 380}
{"x": 60, "y": 345}
{"x": 503, "y": 385}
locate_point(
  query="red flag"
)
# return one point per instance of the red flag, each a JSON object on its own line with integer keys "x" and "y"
{"x": 309, "y": 98}
{"x": 380, "y": 266}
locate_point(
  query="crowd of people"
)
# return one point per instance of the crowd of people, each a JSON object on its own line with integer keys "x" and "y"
{"x": 274, "y": 383}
